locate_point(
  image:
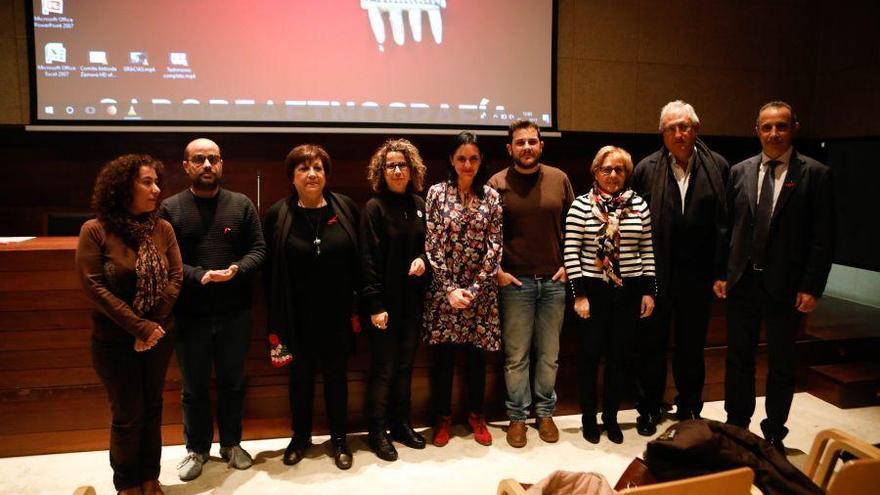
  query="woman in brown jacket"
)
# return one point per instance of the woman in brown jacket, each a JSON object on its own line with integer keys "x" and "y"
{"x": 129, "y": 265}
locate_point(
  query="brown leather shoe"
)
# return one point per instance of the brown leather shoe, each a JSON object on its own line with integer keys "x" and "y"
{"x": 152, "y": 487}
{"x": 547, "y": 429}
{"x": 516, "y": 433}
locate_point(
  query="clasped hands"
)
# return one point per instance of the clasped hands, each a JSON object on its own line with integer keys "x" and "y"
{"x": 141, "y": 345}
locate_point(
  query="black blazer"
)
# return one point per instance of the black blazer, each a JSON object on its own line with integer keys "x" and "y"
{"x": 802, "y": 230}
{"x": 276, "y": 279}
{"x": 705, "y": 219}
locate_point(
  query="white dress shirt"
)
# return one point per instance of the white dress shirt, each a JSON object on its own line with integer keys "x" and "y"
{"x": 682, "y": 175}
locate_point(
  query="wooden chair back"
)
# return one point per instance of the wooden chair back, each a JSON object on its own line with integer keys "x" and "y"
{"x": 733, "y": 482}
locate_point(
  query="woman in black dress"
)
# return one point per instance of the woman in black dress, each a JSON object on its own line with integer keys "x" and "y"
{"x": 393, "y": 253}
{"x": 312, "y": 277}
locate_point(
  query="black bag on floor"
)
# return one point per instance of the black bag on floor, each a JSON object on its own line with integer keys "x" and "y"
{"x": 697, "y": 447}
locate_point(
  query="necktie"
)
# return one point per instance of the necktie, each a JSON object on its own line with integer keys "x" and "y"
{"x": 763, "y": 213}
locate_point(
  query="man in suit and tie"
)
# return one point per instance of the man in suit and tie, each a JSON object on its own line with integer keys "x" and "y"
{"x": 782, "y": 230}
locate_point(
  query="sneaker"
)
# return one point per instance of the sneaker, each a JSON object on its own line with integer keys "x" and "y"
{"x": 236, "y": 457}
{"x": 516, "y": 433}
{"x": 441, "y": 431}
{"x": 191, "y": 466}
{"x": 478, "y": 425}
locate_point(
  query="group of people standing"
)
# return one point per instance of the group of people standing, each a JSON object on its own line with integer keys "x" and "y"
{"x": 482, "y": 264}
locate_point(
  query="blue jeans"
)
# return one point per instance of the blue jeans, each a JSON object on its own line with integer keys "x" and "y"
{"x": 531, "y": 319}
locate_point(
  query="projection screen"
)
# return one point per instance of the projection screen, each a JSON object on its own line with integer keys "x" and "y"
{"x": 320, "y": 62}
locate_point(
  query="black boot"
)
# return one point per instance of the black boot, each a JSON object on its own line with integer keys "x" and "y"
{"x": 295, "y": 451}
{"x": 405, "y": 434}
{"x": 612, "y": 429}
{"x": 590, "y": 428}
{"x": 341, "y": 455}
{"x": 380, "y": 444}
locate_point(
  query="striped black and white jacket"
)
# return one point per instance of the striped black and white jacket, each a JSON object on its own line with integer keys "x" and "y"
{"x": 636, "y": 250}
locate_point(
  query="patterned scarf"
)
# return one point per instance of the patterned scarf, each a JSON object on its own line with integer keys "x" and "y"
{"x": 150, "y": 268}
{"x": 610, "y": 210}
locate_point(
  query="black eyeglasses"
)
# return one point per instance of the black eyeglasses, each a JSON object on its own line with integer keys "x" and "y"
{"x": 606, "y": 171}
{"x": 401, "y": 165}
{"x": 200, "y": 159}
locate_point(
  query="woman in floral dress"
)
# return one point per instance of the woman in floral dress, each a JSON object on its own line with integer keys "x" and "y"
{"x": 463, "y": 245}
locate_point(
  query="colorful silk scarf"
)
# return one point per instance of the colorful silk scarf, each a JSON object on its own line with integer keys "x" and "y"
{"x": 610, "y": 210}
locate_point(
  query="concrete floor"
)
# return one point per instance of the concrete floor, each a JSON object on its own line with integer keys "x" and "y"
{"x": 462, "y": 467}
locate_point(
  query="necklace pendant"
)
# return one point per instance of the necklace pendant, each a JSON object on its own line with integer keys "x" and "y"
{"x": 317, "y": 244}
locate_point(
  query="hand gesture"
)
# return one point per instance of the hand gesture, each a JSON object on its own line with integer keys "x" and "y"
{"x": 647, "y": 306}
{"x": 380, "y": 320}
{"x": 145, "y": 345}
{"x": 460, "y": 298}
{"x": 805, "y": 303}
{"x": 560, "y": 275}
{"x": 219, "y": 275}
{"x": 417, "y": 267}
{"x": 720, "y": 289}
{"x": 505, "y": 279}
{"x": 582, "y": 306}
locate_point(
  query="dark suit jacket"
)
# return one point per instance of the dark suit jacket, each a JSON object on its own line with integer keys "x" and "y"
{"x": 802, "y": 230}
{"x": 689, "y": 245}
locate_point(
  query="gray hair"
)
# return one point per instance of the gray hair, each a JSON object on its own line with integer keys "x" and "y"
{"x": 679, "y": 106}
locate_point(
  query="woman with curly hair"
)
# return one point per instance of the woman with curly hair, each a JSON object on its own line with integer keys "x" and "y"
{"x": 393, "y": 255}
{"x": 130, "y": 268}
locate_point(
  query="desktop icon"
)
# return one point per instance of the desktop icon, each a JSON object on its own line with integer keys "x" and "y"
{"x": 138, "y": 58}
{"x": 55, "y": 52}
{"x": 52, "y": 7}
{"x": 98, "y": 58}
{"x": 178, "y": 58}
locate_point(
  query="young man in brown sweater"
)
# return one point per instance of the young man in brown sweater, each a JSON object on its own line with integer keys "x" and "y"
{"x": 535, "y": 198}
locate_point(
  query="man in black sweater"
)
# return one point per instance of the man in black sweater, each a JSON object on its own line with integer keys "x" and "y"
{"x": 221, "y": 243}
{"x": 684, "y": 184}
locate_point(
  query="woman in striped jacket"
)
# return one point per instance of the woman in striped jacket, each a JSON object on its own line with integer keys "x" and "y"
{"x": 610, "y": 265}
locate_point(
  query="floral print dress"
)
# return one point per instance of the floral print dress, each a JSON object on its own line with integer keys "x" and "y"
{"x": 463, "y": 245}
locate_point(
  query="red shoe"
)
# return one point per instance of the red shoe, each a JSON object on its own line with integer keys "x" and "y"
{"x": 478, "y": 425}
{"x": 441, "y": 431}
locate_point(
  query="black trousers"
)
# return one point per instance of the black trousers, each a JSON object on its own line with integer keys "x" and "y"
{"x": 444, "y": 370}
{"x": 333, "y": 365}
{"x": 220, "y": 342}
{"x": 748, "y": 306}
{"x": 134, "y": 383}
{"x": 393, "y": 351}
{"x": 608, "y": 333}
{"x": 686, "y": 309}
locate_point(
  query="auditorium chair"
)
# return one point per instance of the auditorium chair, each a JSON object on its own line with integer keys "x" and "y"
{"x": 858, "y": 477}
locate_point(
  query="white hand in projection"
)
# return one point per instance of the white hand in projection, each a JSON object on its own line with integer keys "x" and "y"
{"x": 395, "y": 10}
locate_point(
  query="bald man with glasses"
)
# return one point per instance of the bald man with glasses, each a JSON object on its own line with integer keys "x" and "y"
{"x": 221, "y": 243}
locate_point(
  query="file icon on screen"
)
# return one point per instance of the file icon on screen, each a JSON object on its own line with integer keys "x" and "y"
{"x": 55, "y": 52}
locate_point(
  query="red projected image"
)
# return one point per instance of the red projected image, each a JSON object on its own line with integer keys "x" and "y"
{"x": 448, "y": 62}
